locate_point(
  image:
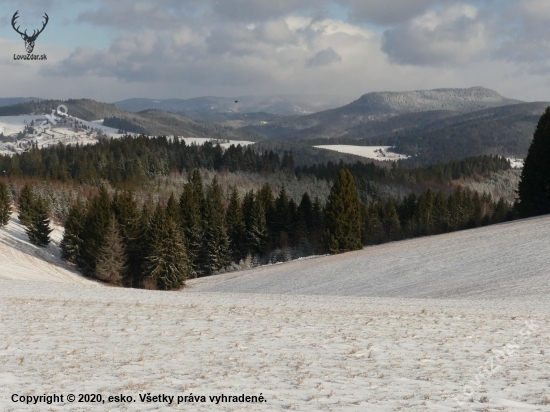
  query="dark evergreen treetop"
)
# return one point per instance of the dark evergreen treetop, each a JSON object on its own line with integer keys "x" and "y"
{"x": 534, "y": 187}
{"x": 38, "y": 225}
{"x": 5, "y": 205}
{"x": 342, "y": 218}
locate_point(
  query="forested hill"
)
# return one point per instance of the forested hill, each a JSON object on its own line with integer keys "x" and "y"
{"x": 149, "y": 122}
{"x": 381, "y": 106}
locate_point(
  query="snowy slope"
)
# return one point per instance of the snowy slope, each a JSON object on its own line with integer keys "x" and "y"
{"x": 50, "y": 135}
{"x": 21, "y": 260}
{"x": 381, "y": 153}
{"x": 301, "y": 352}
{"x": 10, "y": 126}
{"x": 500, "y": 261}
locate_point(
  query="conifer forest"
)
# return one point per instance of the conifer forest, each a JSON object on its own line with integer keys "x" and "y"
{"x": 152, "y": 212}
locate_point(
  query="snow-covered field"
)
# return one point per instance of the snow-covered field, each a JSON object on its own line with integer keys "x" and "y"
{"x": 300, "y": 340}
{"x": 497, "y": 262}
{"x": 10, "y": 126}
{"x": 370, "y": 152}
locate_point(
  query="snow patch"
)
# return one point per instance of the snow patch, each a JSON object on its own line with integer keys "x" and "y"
{"x": 370, "y": 152}
{"x": 516, "y": 162}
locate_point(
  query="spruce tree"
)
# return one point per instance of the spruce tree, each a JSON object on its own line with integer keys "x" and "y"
{"x": 5, "y": 205}
{"x": 390, "y": 221}
{"x": 440, "y": 214}
{"x": 26, "y": 203}
{"x": 38, "y": 227}
{"x": 111, "y": 264}
{"x": 98, "y": 219}
{"x": 71, "y": 244}
{"x": 165, "y": 264}
{"x": 132, "y": 230}
{"x": 216, "y": 241}
{"x": 317, "y": 218}
{"x": 534, "y": 187}
{"x": 373, "y": 230}
{"x": 424, "y": 213}
{"x": 172, "y": 209}
{"x": 255, "y": 225}
{"x": 342, "y": 217}
{"x": 267, "y": 201}
{"x": 235, "y": 226}
{"x": 192, "y": 224}
{"x": 305, "y": 214}
{"x": 502, "y": 212}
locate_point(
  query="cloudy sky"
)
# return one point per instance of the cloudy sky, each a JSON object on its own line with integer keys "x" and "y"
{"x": 111, "y": 50}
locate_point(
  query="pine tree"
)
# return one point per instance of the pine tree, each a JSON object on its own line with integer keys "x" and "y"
{"x": 26, "y": 203}
{"x": 165, "y": 265}
{"x": 111, "y": 264}
{"x": 71, "y": 244}
{"x": 235, "y": 226}
{"x": 38, "y": 227}
{"x": 342, "y": 217}
{"x": 534, "y": 186}
{"x": 5, "y": 205}
{"x": 216, "y": 241}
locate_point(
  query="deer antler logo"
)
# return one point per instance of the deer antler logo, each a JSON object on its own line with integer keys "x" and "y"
{"x": 29, "y": 40}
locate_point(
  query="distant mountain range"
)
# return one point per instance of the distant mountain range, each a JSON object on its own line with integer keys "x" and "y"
{"x": 283, "y": 105}
{"x": 8, "y": 101}
{"x": 379, "y": 107}
{"x": 429, "y": 125}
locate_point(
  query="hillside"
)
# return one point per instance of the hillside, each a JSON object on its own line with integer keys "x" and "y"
{"x": 21, "y": 260}
{"x": 381, "y": 106}
{"x": 486, "y": 305}
{"x": 8, "y": 101}
{"x": 506, "y": 131}
{"x": 150, "y": 122}
{"x": 500, "y": 261}
{"x": 282, "y": 105}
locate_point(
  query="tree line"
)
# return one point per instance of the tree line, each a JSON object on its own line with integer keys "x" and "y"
{"x": 135, "y": 159}
{"x": 201, "y": 233}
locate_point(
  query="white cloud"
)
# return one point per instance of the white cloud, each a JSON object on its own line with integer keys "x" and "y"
{"x": 438, "y": 38}
{"x": 184, "y": 48}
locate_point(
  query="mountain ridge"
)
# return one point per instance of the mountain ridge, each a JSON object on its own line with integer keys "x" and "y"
{"x": 149, "y": 122}
{"x": 281, "y": 105}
